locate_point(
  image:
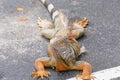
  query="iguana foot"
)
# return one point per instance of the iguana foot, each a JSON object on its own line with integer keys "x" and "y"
{"x": 83, "y": 23}
{"x": 44, "y": 23}
{"x": 40, "y": 74}
{"x": 85, "y": 77}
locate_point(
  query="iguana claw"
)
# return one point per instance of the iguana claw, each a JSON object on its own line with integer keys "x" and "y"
{"x": 44, "y": 23}
{"x": 40, "y": 74}
{"x": 85, "y": 77}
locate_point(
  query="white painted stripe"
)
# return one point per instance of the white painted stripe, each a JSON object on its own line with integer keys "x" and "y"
{"x": 43, "y": 1}
{"x": 50, "y": 7}
{"x": 106, "y": 74}
{"x": 54, "y": 14}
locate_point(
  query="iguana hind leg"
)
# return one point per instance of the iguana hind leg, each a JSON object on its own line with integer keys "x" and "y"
{"x": 83, "y": 23}
{"x": 46, "y": 27}
{"x": 44, "y": 23}
{"x": 86, "y": 68}
{"x": 78, "y": 28}
{"x": 48, "y": 33}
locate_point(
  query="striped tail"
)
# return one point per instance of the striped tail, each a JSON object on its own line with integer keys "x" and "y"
{"x": 50, "y": 7}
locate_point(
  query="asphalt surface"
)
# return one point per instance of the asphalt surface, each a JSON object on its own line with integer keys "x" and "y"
{"x": 21, "y": 42}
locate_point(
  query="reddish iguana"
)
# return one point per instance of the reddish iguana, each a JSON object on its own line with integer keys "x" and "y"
{"x": 63, "y": 49}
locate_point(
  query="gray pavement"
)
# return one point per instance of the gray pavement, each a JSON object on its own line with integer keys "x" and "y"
{"x": 21, "y": 43}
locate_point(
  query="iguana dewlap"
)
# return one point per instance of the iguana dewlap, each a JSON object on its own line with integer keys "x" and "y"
{"x": 63, "y": 49}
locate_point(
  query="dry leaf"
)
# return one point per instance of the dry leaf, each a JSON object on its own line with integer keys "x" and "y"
{"x": 20, "y": 9}
{"x": 23, "y": 19}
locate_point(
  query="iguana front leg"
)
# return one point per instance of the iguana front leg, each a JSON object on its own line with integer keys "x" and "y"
{"x": 86, "y": 68}
{"x": 40, "y": 63}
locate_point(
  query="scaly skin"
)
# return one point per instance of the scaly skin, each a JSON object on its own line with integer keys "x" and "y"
{"x": 63, "y": 49}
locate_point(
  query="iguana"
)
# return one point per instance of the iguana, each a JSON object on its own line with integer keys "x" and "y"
{"x": 63, "y": 49}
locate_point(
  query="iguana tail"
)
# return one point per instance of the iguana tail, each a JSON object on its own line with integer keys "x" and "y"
{"x": 50, "y": 7}
{"x": 59, "y": 19}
